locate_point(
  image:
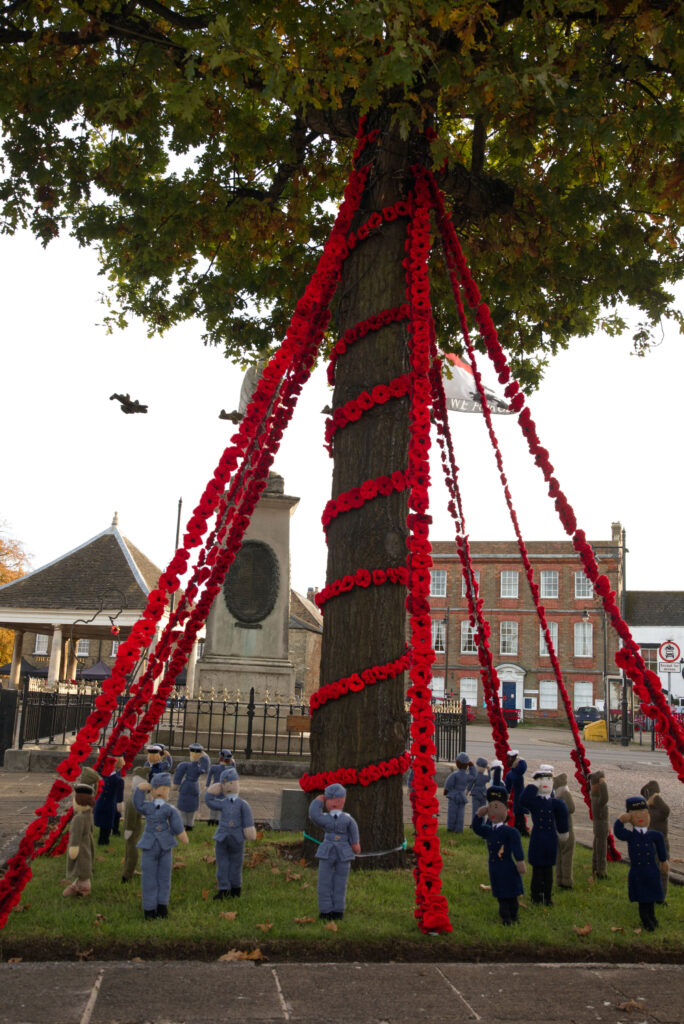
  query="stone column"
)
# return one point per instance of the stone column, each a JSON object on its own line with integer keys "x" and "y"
{"x": 190, "y": 679}
{"x": 72, "y": 662}
{"x": 55, "y": 655}
{"x": 15, "y": 671}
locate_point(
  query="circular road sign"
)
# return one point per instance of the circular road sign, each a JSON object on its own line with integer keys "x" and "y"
{"x": 669, "y": 651}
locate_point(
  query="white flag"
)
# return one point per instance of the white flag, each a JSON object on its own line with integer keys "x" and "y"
{"x": 461, "y": 391}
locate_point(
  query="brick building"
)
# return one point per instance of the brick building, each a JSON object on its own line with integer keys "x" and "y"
{"x": 585, "y": 642}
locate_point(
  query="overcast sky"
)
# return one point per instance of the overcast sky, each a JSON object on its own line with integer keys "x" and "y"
{"x": 611, "y": 422}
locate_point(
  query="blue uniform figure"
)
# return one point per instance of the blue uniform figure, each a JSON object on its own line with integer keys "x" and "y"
{"x": 162, "y": 825}
{"x": 158, "y": 760}
{"x": 456, "y": 789}
{"x": 108, "y": 802}
{"x": 506, "y": 857}
{"x": 186, "y": 777}
{"x": 235, "y": 825}
{"x": 477, "y": 788}
{"x": 336, "y": 852}
{"x": 225, "y": 760}
{"x": 646, "y": 849}
{"x": 549, "y": 821}
{"x": 514, "y": 780}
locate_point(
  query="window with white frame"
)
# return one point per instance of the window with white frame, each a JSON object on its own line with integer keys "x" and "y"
{"x": 476, "y": 574}
{"x": 41, "y": 644}
{"x": 509, "y": 583}
{"x": 583, "y": 587}
{"x": 115, "y": 648}
{"x": 468, "y": 690}
{"x": 438, "y": 581}
{"x": 553, "y": 630}
{"x": 583, "y": 696}
{"x": 548, "y": 583}
{"x": 437, "y": 687}
{"x": 468, "y": 645}
{"x": 584, "y": 639}
{"x": 82, "y": 648}
{"x": 438, "y": 636}
{"x": 548, "y": 695}
{"x": 508, "y": 638}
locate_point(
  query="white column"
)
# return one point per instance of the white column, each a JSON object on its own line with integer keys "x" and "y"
{"x": 72, "y": 663}
{"x": 191, "y": 666}
{"x": 15, "y": 671}
{"x": 55, "y": 655}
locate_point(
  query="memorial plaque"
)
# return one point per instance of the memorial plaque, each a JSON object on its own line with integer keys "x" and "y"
{"x": 252, "y": 584}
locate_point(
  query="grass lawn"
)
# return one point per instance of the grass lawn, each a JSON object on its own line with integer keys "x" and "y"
{"x": 277, "y": 914}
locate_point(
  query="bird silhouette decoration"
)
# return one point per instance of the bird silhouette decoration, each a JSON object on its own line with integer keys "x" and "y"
{"x": 128, "y": 405}
{"x": 234, "y": 417}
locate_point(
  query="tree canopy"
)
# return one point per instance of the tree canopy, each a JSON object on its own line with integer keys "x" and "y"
{"x": 198, "y": 146}
{"x": 14, "y": 562}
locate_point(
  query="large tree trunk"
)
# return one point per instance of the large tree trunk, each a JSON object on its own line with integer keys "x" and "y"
{"x": 367, "y": 627}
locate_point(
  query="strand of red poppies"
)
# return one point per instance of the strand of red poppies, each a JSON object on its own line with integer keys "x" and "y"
{"x": 374, "y": 323}
{"x": 432, "y": 911}
{"x": 376, "y": 220}
{"x": 355, "y": 498}
{"x": 356, "y": 776}
{"x": 361, "y": 578}
{"x": 354, "y": 409}
{"x": 357, "y": 681}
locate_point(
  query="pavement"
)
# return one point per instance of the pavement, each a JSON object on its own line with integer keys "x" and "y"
{"x": 358, "y": 993}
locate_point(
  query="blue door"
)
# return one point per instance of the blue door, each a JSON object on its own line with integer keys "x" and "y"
{"x": 508, "y": 690}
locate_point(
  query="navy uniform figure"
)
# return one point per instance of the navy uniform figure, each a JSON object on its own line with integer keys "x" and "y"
{"x": 186, "y": 778}
{"x": 108, "y": 803}
{"x": 506, "y": 857}
{"x": 456, "y": 789}
{"x": 514, "y": 781}
{"x": 336, "y": 852}
{"x": 647, "y": 857}
{"x": 158, "y": 760}
{"x": 163, "y": 829}
{"x": 226, "y": 760}
{"x": 549, "y": 824}
{"x": 235, "y": 825}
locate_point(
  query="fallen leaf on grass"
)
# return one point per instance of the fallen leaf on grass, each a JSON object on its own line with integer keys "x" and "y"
{"x": 205, "y": 894}
{"x": 292, "y": 877}
{"x": 583, "y": 930}
{"x": 265, "y": 927}
{"x": 15, "y": 960}
{"x": 99, "y": 918}
{"x": 304, "y": 920}
{"x": 637, "y": 931}
{"x": 523, "y": 905}
{"x": 137, "y": 960}
{"x": 260, "y": 835}
{"x": 331, "y": 927}
{"x": 302, "y": 862}
{"x": 275, "y": 871}
{"x": 209, "y": 859}
{"x": 257, "y": 857}
{"x": 304, "y": 885}
{"x": 485, "y": 888}
{"x": 239, "y": 954}
{"x": 630, "y": 1005}
{"x": 616, "y": 928}
{"x": 98, "y": 857}
{"x": 229, "y": 915}
{"x": 179, "y": 864}
{"x": 84, "y": 954}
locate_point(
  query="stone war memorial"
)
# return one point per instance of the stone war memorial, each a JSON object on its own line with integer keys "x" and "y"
{"x": 494, "y": 170}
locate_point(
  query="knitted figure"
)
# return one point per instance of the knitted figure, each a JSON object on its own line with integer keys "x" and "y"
{"x": 506, "y": 857}
{"x": 158, "y": 760}
{"x": 646, "y": 848}
{"x": 336, "y": 852}
{"x": 659, "y": 812}
{"x": 549, "y": 824}
{"x": 496, "y": 772}
{"x": 477, "y": 787}
{"x": 514, "y": 780}
{"x": 133, "y": 826}
{"x": 81, "y": 848}
{"x": 235, "y": 825}
{"x": 598, "y": 790}
{"x": 566, "y": 847}
{"x": 186, "y": 778}
{"x": 163, "y": 829}
{"x": 109, "y": 802}
{"x": 455, "y": 789}
{"x": 225, "y": 760}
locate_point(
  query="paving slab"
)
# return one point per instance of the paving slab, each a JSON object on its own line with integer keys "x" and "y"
{"x": 45, "y": 993}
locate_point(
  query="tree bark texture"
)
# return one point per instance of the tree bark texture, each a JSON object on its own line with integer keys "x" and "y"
{"x": 367, "y": 626}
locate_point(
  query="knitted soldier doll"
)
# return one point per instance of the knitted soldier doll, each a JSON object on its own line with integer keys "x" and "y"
{"x": 225, "y": 760}
{"x": 81, "y": 849}
{"x": 336, "y": 852}
{"x": 455, "y": 789}
{"x": 598, "y": 790}
{"x": 514, "y": 780}
{"x": 496, "y": 772}
{"x": 646, "y": 847}
{"x": 163, "y": 829}
{"x": 235, "y": 825}
{"x": 506, "y": 857}
{"x": 566, "y": 847}
{"x": 549, "y": 824}
{"x": 477, "y": 787}
{"x": 109, "y": 802}
{"x": 659, "y": 812}
{"x": 158, "y": 760}
{"x": 187, "y": 778}
{"x": 133, "y": 826}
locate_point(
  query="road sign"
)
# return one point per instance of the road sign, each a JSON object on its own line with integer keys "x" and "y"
{"x": 667, "y": 666}
{"x": 669, "y": 651}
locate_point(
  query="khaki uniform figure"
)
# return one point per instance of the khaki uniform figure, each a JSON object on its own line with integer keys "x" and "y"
{"x": 599, "y": 811}
{"x": 133, "y": 826}
{"x": 659, "y": 812}
{"x": 566, "y": 847}
{"x": 81, "y": 848}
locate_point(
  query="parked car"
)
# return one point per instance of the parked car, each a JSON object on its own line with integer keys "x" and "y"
{"x": 585, "y": 715}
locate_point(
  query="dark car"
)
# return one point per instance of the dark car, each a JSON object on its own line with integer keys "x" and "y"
{"x": 585, "y": 715}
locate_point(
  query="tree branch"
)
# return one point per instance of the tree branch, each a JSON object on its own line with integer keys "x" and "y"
{"x": 476, "y": 196}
